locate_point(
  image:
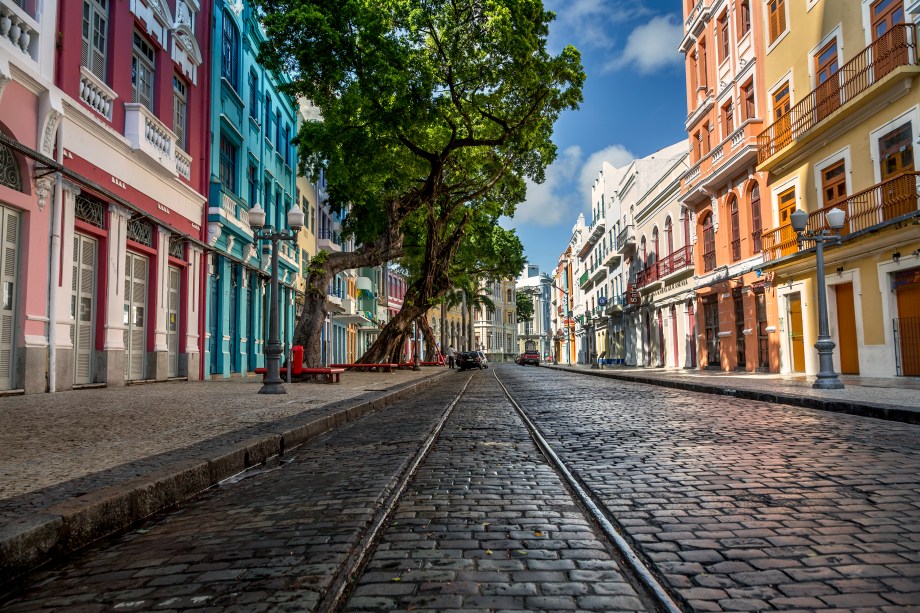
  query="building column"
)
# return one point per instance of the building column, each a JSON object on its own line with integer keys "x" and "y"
{"x": 63, "y": 318}
{"x": 190, "y": 355}
{"x": 112, "y": 358}
{"x": 158, "y": 359}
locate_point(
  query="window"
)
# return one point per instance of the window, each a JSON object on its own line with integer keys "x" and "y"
{"x": 669, "y": 235}
{"x": 728, "y": 119}
{"x": 828, "y": 90}
{"x": 142, "y": 65}
{"x": 269, "y": 116}
{"x": 228, "y": 157}
{"x": 722, "y": 25}
{"x": 787, "y": 202}
{"x": 253, "y": 185}
{"x": 707, "y": 138}
{"x": 230, "y": 51}
{"x": 740, "y": 344}
{"x": 834, "y": 184}
{"x": 763, "y": 337}
{"x": 711, "y": 322}
{"x": 285, "y": 141}
{"x": 253, "y": 95}
{"x": 885, "y": 15}
{"x": 756, "y": 224}
{"x": 704, "y": 77}
{"x": 709, "y": 244}
{"x": 736, "y": 230}
{"x": 698, "y": 146}
{"x": 896, "y": 152}
{"x": 95, "y": 30}
{"x": 777, "y": 13}
{"x": 747, "y": 97}
{"x": 277, "y": 134}
{"x": 744, "y": 17}
{"x": 180, "y": 111}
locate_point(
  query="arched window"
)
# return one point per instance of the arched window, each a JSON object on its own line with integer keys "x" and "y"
{"x": 669, "y": 235}
{"x": 686, "y": 220}
{"x": 654, "y": 254}
{"x": 230, "y": 52}
{"x": 508, "y": 299}
{"x": 643, "y": 256}
{"x": 709, "y": 244}
{"x": 10, "y": 175}
{"x": 736, "y": 229}
{"x": 756, "y": 226}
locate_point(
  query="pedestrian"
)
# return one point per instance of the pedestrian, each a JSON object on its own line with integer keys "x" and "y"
{"x": 450, "y": 356}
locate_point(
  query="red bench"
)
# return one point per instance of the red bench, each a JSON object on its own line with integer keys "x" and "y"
{"x": 408, "y": 365}
{"x": 299, "y": 373}
{"x": 378, "y": 367}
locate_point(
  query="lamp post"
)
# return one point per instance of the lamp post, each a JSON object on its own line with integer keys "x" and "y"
{"x": 827, "y": 378}
{"x": 272, "y": 384}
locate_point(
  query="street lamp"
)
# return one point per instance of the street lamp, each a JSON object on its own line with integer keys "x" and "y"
{"x": 272, "y": 384}
{"x": 827, "y": 378}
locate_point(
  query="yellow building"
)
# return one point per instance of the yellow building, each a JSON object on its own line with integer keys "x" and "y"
{"x": 843, "y": 101}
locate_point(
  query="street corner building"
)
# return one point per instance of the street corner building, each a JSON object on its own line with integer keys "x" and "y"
{"x": 103, "y": 191}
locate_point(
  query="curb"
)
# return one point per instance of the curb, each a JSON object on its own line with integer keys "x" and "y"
{"x": 850, "y": 407}
{"x": 64, "y": 527}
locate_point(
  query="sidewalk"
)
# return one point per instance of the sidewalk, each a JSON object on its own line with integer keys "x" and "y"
{"x": 76, "y": 466}
{"x": 895, "y": 399}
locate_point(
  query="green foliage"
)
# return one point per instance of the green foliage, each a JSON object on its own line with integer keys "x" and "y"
{"x": 524, "y": 307}
{"x": 421, "y": 100}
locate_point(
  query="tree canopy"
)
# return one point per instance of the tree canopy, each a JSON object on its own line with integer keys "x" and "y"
{"x": 524, "y": 306}
{"x": 429, "y": 106}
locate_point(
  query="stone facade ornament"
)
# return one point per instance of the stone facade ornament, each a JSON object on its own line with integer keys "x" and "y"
{"x": 44, "y": 187}
{"x": 214, "y": 231}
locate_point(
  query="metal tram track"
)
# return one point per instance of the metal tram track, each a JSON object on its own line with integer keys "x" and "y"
{"x": 349, "y": 571}
{"x": 347, "y": 575}
{"x": 635, "y": 567}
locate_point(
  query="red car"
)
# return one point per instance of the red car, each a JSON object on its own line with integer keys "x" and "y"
{"x": 530, "y": 357}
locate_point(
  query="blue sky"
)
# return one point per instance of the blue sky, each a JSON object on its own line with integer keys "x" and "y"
{"x": 634, "y": 104}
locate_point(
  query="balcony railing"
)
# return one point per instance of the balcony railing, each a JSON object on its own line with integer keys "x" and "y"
{"x": 877, "y": 206}
{"x": 647, "y": 275}
{"x": 96, "y": 94}
{"x": 709, "y": 260}
{"x": 675, "y": 261}
{"x": 736, "y": 250}
{"x": 19, "y": 27}
{"x": 625, "y": 239}
{"x": 756, "y": 239}
{"x": 149, "y": 135}
{"x": 584, "y": 278}
{"x": 895, "y": 48}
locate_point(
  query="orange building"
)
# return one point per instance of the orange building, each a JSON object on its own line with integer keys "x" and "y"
{"x": 724, "y": 194}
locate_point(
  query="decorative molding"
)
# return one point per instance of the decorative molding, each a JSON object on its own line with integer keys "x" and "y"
{"x": 5, "y": 74}
{"x": 236, "y": 7}
{"x": 214, "y": 231}
{"x": 231, "y": 240}
{"x": 73, "y": 188}
{"x": 119, "y": 211}
{"x": 51, "y": 113}
{"x": 44, "y": 187}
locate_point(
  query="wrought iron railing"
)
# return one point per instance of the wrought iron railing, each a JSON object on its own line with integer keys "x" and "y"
{"x": 709, "y": 260}
{"x": 678, "y": 259}
{"x": 329, "y": 235}
{"x": 875, "y": 206}
{"x": 736, "y": 250}
{"x": 756, "y": 240}
{"x": 895, "y": 48}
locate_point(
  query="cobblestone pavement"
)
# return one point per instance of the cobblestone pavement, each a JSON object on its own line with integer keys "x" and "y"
{"x": 267, "y": 542}
{"x": 487, "y": 525}
{"x": 55, "y": 446}
{"x": 743, "y": 505}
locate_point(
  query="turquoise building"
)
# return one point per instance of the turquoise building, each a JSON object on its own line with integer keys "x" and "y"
{"x": 252, "y": 161}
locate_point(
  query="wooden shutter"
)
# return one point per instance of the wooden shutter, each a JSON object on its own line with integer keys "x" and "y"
{"x": 9, "y": 246}
{"x": 172, "y": 321}
{"x": 83, "y": 307}
{"x": 135, "y": 315}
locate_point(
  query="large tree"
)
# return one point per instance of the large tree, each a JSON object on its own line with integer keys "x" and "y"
{"x": 423, "y": 102}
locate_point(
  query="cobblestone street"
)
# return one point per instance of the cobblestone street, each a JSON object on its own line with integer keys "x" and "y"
{"x": 734, "y": 504}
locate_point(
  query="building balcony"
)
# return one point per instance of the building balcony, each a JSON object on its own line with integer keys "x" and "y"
{"x": 615, "y": 304}
{"x": 334, "y": 302}
{"x": 885, "y": 204}
{"x": 596, "y": 231}
{"x": 150, "y": 136}
{"x": 863, "y": 80}
{"x": 626, "y": 240}
{"x": 697, "y": 17}
{"x": 19, "y": 28}
{"x": 584, "y": 282}
{"x": 726, "y": 159}
{"x": 327, "y": 240}
{"x": 676, "y": 264}
{"x": 649, "y": 277}
{"x": 95, "y": 94}
{"x": 598, "y": 274}
{"x": 612, "y": 258}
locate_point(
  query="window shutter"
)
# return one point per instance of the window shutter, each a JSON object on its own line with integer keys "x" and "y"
{"x": 9, "y": 222}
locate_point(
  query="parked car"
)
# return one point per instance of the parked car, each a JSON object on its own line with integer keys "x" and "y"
{"x": 484, "y": 359}
{"x": 469, "y": 359}
{"x": 518, "y": 358}
{"x": 530, "y": 357}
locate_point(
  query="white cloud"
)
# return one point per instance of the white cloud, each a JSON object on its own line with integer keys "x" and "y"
{"x": 651, "y": 46}
{"x": 590, "y": 23}
{"x": 567, "y": 188}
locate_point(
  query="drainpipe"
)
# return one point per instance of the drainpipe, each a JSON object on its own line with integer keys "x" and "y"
{"x": 55, "y": 262}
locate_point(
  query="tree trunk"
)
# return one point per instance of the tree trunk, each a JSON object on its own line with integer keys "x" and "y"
{"x": 309, "y": 328}
{"x": 466, "y": 341}
{"x": 391, "y": 340}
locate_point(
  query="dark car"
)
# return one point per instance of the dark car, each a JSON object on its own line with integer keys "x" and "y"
{"x": 530, "y": 357}
{"x": 469, "y": 359}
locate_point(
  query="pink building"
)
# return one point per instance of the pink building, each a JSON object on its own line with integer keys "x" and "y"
{"x": 117, "y": 102}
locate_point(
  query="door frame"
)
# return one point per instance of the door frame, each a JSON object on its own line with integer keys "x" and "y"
{"x": 882, "y": 363}
{"x": 831, "y": 280}
{"x": 785, "y": 354}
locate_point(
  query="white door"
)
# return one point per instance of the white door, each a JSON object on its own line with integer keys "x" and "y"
{"x": 172, "y": 321}
{"x": 83, "y": 307}
{"x": 135, "y": 316}
{"x": 9, "y": 248}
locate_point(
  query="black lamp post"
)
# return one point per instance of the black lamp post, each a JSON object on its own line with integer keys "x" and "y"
{"x": 827, "y": 378}
{"x": 272, "y": 384}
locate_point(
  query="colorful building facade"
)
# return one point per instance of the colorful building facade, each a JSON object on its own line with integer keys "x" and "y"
{"x": 252, "y": 161}
{"x": 843, "y": 122}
